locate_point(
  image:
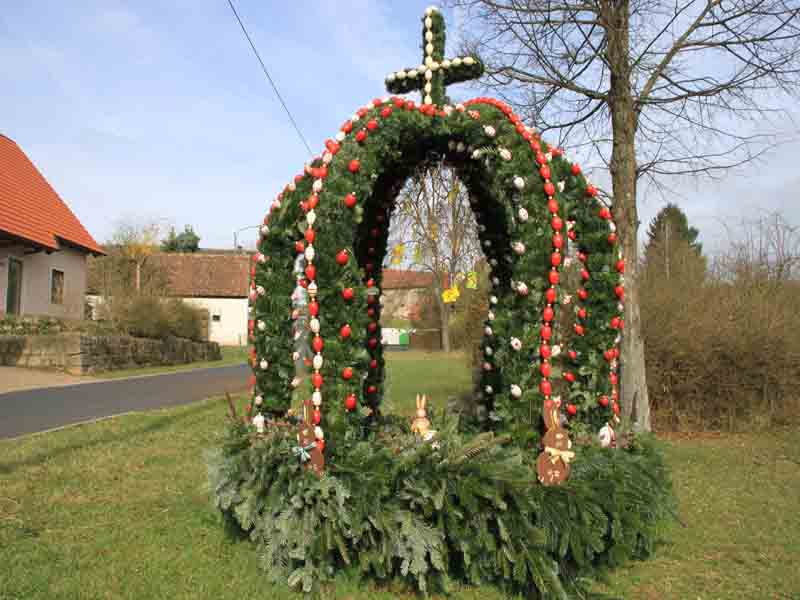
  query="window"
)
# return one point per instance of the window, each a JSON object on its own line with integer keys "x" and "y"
{"x": 56, "y": 287}
{"x": 216, "y": 318}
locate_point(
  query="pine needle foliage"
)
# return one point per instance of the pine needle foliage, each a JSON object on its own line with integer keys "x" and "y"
{"x": 467, "y": 509}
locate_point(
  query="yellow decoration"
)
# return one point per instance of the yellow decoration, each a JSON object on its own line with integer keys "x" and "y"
{"x": 398, "y": 253}
{"x": 450, "y": 295}
{"x": 472, "y": 280}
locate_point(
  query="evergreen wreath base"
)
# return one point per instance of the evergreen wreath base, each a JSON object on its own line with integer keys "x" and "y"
{"x": 467, "y": 509}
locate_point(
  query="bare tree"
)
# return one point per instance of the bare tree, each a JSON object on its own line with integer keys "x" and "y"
{"x": 766, "y": 249}
{"x": 435, "y": 226}
{"x": 648, "y": 88}
{"x": 137, "y": 243}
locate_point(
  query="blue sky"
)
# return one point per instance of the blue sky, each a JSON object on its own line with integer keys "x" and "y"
{"x": 158, "y": 110}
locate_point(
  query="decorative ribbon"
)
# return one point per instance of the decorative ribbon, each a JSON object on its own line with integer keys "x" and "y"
{"x": 555, "y": 454}
{"x": 303, "y": 452}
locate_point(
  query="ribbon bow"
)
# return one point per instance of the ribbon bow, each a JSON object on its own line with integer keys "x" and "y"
{"x": 555, "y": 454}
{"x": 303, "y": 452}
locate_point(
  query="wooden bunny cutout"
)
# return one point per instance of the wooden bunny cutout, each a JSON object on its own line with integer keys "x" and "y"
{"x": 308, "y": 449}
{"x": 552, "y": 465}
{"x": 421, "y": 425}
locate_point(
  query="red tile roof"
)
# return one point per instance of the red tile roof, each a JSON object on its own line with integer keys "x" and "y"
{"x": 206, "y": 275}
{"x": 31, "y": 209}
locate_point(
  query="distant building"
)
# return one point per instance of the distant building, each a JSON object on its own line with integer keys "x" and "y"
{"x": 217, "y": 282}
{"x": 43, "y": 245}
{"x": 404, "y": 293}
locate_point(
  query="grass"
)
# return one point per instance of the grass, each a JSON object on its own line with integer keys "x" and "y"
{"x": 231, "y": 355}
{"x": 413, "y": 372}
{"x": 119, "y": 509}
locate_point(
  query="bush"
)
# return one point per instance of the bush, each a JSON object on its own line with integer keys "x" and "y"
{"x": 157, "y": 318}
{"x": 187, "y": 321}
{"x": 30, "y": 325}
{"x": 723, "y": 353}
{"x": 145, "y": 316}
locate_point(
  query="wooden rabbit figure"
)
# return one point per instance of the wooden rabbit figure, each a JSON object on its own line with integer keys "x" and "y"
{"x": 421, "y": 425}
{"x": 553, "y": 463}
{"x": 308, "y": 449}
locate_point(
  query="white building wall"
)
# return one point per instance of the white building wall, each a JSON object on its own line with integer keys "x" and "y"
{"x": 36, "y": 269}
{"x": 228, "y": 319}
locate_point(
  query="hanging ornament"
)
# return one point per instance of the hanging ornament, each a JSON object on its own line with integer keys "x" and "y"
{"x": 606, "y": 436}
{"x": 544, "y": 369}
{"x": 258, "y": 422}
{"x": 350, "y": 402}
{"x": 342, "y": 257}
{"x": 317, "y": 362}
{"x": 316, "y": 380}
{"x": 516, "y": 391}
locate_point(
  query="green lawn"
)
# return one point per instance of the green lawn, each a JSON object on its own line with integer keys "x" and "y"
{"x": 119, "y": 509}
{"x": 231, "y": 355}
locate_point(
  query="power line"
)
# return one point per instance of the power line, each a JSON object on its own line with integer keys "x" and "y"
{"x": 272, "y": 83}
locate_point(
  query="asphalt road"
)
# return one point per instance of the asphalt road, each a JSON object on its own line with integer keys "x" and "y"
{"x": 41, "y": 409}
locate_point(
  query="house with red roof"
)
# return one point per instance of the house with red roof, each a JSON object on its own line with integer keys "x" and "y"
{"x": 43, "y": 245}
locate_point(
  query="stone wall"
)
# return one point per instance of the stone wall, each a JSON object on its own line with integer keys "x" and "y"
{"x": 82, "y": 354}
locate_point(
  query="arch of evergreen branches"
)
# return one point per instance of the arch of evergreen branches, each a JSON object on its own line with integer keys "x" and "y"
{"x": 529, "y": 201}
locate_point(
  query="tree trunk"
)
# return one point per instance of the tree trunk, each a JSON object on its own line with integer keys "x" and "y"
{"x": 444, "y": 320}
{"x": 634, "y": 403}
